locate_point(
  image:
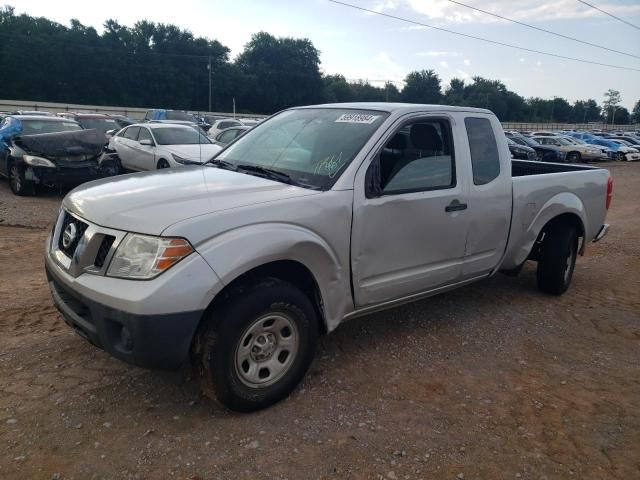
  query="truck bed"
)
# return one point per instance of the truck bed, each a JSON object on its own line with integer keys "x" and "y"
{"x": 542, "y": 191}
{"x": 523, "y": 168}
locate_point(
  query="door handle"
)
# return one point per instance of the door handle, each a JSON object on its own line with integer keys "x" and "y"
{"x": 455, "y": 206}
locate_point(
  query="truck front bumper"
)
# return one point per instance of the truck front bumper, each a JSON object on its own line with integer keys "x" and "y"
{"x": 160, "y": 341}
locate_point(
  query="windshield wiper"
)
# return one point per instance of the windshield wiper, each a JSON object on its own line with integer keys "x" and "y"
{"x": 222, "y": 164}
{"x": 275, "y": 175}
{"x": 268, "y": 173}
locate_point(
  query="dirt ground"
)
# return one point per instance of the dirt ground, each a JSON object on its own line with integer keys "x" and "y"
{"x": 493, "y": 381}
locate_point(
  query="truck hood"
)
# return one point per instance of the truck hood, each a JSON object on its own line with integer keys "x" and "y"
{"x": 149, "y": 202}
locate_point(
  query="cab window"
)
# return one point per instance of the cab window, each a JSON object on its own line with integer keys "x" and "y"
{"x": 418, "y": 157}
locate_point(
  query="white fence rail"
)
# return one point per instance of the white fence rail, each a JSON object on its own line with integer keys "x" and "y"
{"x": 138, "y": 114}
{"x": 133, "y": 112}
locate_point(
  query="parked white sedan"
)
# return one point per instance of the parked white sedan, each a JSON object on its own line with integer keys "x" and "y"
{"x": 150, "y": 146}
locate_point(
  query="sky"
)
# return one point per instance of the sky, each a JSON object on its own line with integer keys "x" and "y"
{"x": 367, "y": 46}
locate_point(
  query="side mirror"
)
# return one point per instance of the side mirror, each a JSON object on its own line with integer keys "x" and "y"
{"x": 373, "y": 179}
{"x": 147, "y": 142}
{"x": 111, "y": 133}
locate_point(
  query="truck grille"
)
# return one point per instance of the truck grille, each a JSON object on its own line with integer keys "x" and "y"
{"x": 86, "y": 247}
{"x": 71, "y": 236}
{"x": 103, "y": 251}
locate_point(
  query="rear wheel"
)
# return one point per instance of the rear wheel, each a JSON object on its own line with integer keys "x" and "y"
{"x": 162, "y": 163}
{"x": 557, "y": 259}
{"x": 17, "y": 181}
{"x": 257, "y": 346}
{"x": 574, "y": 157}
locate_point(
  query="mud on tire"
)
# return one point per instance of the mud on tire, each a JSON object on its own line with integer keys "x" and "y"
{"x": 257, "y": 345}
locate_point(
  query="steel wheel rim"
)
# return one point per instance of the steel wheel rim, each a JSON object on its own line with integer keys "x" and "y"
{"x": 568, "y": 266}
{"x": 15, "y": 178}
{"x": 266, "y": 350}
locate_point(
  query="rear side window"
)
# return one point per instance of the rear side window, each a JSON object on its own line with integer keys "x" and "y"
{"x": 228, "y": 124}
{"x": 485, "y": 159}
{"x": 226, "y": 137}
{"x": 144, "y": 134}
{"x": 131, "y": 133}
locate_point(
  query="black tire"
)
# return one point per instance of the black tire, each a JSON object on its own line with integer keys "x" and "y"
{"x": 574, "y": 157}
{"x": 230, "y": 327}
{"x": 620, "y": 157}
{"x": 162, "y": 163}
{"x": 17, "y": 181}
{"x": 120, "y": 170}
{"x": 557, "y": 259}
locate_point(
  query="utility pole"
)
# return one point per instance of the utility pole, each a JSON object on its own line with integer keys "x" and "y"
{"x": 209, "y": 70}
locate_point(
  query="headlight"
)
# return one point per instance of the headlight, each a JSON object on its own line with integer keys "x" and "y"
{"x": 144, "y": 257}
{"x": 38, "y": 161}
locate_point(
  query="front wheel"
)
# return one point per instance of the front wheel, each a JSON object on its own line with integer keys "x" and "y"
{"x": 557, "y": 259}
{"x": 258, "y": 345}
{"x": 620, "y": 157}
{"x": 163, "y": 164}
{"x": 574, "y": 157}
{"x": 17, "y": 181}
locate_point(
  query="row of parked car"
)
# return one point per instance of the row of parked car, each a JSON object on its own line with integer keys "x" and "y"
{"x": 574, "y": 146}
{"x": 40, "y": 148}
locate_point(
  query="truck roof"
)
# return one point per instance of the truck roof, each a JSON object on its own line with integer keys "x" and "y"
{"x": 399, "y": 107}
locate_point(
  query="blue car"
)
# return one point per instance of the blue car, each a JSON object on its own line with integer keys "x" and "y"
{"x": 621, "y": 152}
{"x": 163, "y": 115}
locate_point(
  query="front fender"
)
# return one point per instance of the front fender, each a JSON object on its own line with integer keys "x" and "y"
{"x": 531, "y": 224}
{"x": 235, "y": 252}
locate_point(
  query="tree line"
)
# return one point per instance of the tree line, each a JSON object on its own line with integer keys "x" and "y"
{"x": 163, "y": 66}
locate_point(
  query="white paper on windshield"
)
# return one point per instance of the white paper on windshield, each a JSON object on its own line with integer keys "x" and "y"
{"x": 357, "y": 118}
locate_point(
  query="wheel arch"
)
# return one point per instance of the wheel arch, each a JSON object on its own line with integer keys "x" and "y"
{"x": 569, "y": 219}
{"x": 527, "y": 233}
{"x": 285, "y": 251}
{"x": 290, "y": 271}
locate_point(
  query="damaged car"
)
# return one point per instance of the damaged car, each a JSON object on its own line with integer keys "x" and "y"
{"x": 50, "y": 151}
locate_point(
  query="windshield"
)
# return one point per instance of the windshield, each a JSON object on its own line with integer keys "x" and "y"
{"x": 173, "y": 115}
{"x": 313, "y": 146}
{"x": 563, "y": 141}
{"x": 530, "y": 142}
{"x": 179, "y": 136}
{"x": 34, "y": 127}
{"x": 101, "y": 124}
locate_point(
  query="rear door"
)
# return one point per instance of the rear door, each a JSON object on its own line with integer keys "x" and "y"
{"x": 489, "y": 195}
{"x": 145, "y": 154}
{"x": 409, "y": 215}
{"x": 128, "y": 156}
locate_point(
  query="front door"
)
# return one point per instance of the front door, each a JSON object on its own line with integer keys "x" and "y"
{"x": 410, "y": 218}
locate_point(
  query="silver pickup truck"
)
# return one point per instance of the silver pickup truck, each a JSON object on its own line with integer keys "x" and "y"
{"x": 315, "y": 216}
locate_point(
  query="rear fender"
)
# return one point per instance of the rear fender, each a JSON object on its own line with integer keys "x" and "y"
{"x": 565, "y": 203}
{"x": 236, "y": 252}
